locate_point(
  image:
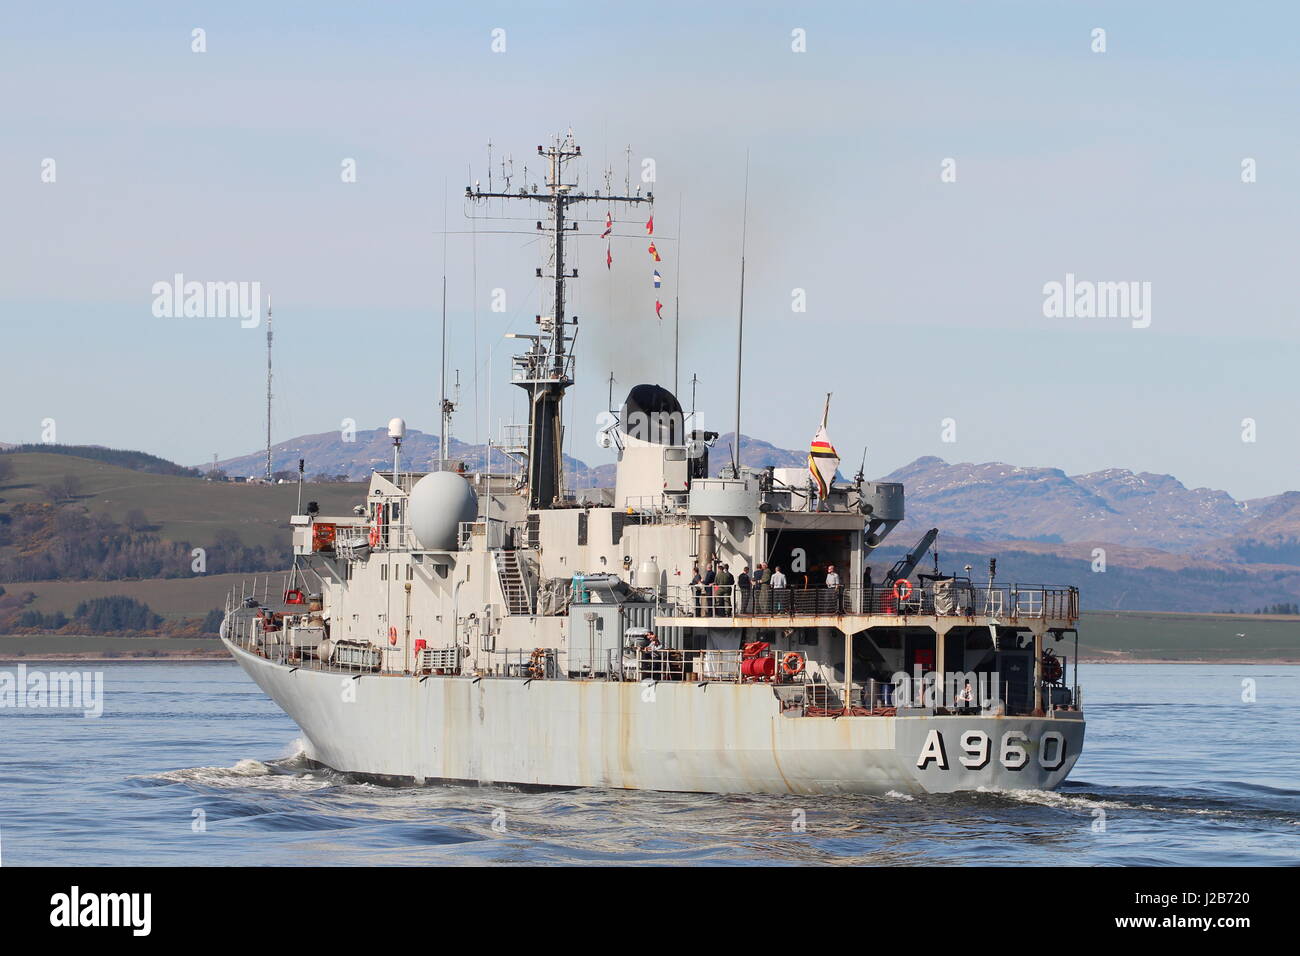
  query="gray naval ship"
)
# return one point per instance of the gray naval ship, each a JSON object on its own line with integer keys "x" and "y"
{"x": 491, "y": 626}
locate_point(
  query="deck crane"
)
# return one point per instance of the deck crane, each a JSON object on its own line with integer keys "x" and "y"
{"x": 905, "y": 565}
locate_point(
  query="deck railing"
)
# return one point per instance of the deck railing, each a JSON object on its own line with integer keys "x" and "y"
{"x": 1003, "y": 601}
{"x": 803, "y": 689}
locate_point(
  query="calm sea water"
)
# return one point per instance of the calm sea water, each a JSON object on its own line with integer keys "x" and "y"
{"x": 191, "y": 764}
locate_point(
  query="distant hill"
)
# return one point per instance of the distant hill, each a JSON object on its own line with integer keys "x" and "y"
{"x": 173, "y": 508}
{"x": 1167, "y": 547}
{"x": 1272, "y": 535}
{"x": 1139, "y": 513}
{"x": 995, "y": 501}
{"x": 134, "y": 460}
{"x": 1132, "y": 580}
{"x": 332, "y": 454}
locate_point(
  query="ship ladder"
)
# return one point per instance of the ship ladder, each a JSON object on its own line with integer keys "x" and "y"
{"x": 513, "y": 586}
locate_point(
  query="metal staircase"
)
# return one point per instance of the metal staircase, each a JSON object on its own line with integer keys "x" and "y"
{"x": 513, "y": 586}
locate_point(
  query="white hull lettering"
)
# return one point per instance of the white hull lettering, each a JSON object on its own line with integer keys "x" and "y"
{"x": 977, "y": 750}
{"x": 1051, "y": 750}
{"x": 933, "y": 750}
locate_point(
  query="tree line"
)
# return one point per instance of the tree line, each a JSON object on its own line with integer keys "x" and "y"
{"x": 43, "y": 542}
{"x": 113, "y": 614}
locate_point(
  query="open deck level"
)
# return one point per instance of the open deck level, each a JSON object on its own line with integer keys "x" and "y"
{"x": 856, "y": 608}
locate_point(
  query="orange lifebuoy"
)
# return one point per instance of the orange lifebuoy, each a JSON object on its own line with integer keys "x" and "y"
{"x": 392, "y": 635}
{"x": 902, "y": 589}
{"x": 792, "y": 663}
{"x": 374, "y": 536}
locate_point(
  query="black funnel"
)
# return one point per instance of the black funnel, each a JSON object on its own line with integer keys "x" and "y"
{"x": 653, "y": 414}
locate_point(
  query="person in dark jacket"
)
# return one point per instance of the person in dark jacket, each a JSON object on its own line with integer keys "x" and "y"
{"x": 746, "y": 591}
{"x": 710, "y": 579}
{"x": 763, "y": 584}
{"x": 723, "y": 588}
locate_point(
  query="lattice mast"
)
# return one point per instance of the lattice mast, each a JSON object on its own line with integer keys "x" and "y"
{"x": 545, "y": 371}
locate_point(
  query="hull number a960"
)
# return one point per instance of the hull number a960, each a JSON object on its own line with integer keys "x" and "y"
{"x": 977, "y": 750}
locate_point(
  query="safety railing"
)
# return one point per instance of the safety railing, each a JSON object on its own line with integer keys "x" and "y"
{"x": 769, "y": 666}
{"x": 437, "y": 660}
{"x": 656, "y": 508}
{"x": 945, "y": 599}
{"x": 298, "y": 640}
{"x": 541, "y": 365}
{"x": 695, "y": 665}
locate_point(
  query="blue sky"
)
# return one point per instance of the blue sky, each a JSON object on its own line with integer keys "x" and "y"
{"x": 924, "y": 297}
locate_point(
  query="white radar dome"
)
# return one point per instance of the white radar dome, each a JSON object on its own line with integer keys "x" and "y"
{"x": 438, "y": 503}
{"x": 397, "y": 428}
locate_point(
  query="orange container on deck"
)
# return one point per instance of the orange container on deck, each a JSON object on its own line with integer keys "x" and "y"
{"x": 322, "y": 537}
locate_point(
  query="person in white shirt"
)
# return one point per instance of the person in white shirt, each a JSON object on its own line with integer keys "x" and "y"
{"x": 966, "y": 699}
{"x": 832, "y": 599}
{"x": 778, "y": 588}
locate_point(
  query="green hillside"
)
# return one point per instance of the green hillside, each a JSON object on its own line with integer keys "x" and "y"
{"x": 176, "y": 508}
{"x": 125, "y": 458}
{"x": 173, "y": 598}
{"x": 1169, "y": 636}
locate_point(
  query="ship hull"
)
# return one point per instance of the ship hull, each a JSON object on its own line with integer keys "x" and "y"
{"x": 713, "y": 738}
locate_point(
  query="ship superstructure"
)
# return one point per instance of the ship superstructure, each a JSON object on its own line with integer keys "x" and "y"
{"x": 492, "y": 626}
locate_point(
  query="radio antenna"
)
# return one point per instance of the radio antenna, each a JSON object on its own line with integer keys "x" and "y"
{"x": 740, "y": 324}
{"x": 268, "y": 387}
{"x": 445, "y": 407}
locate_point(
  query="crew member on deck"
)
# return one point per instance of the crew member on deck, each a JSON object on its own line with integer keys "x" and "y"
{"x": 778, "y": 588}
{"x": 832, "y": 589}
{"x": 724, "y": 583}
{"x": 966, "y": 699}
{"x": 763, "y": 578}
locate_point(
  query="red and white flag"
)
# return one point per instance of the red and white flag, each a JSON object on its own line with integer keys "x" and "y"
{"x": 654, "y": 253}
{"x": 650, "y": 225}
{"x": 609, "y": 258}
{"x": 659, "y": 309}
{"x": 609, "y": 226}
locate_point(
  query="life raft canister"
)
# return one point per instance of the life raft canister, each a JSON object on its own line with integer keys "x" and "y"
{"x": 902, "y": 589}
{"x": 792, "y": 663}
